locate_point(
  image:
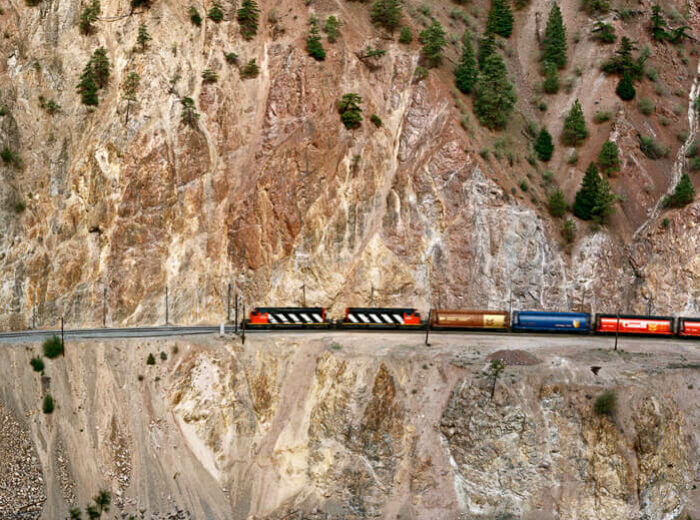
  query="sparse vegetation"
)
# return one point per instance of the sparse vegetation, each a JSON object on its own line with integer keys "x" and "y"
{"x": 231, "y": 57}
{"x": 495, "y": 369}
{"x": 605, "y": 403}
{"x": 601, "y": 116}
{"x": 569, "y": 231}
{"x": 50, "y": 106}
{"x": 376, "y": 120}
{"x": 387, "y": 13}
{"x": 350, "y": 111}
{"x": 551, "y": 78}
{"x": 332, "y": 28}
{"x": 143, "y": 37}
{"x": 604, "y": 32}
{"x": 646, "y": 106}
{"x": 89, "y": 17}
{"x": 683, "y": 194}
{"x": 151, "y": 360}
{"x": 406, "y": 35}
{"x": 10, "y": 157}
{"x": 209, "y": 76}
{"x": 652, "y": 148}
{"x": 52, "y": 347}
{"x": 189, "y": 114}
{"x": 163, "y": 356}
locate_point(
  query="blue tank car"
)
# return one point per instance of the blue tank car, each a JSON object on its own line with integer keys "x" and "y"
{"x": 539, "y": 321}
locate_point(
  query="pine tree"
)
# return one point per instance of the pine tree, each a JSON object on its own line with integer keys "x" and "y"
{"x": 248, "y": 16}
{"x": 195, "y": 17}
{"x": 609, "y": 158}
{"x": 143, "y": 37}
{"x": 575, "y": 130}
{"x": 313, "y": 42}
{"x": 500, "y": 19}
{"x": 623, "y": 60}
{"x": 684, "y": 192}
{"x": 89, "y": 16}
{"x": 551, "y": 78}
{"x": 215, "y": 13}
{"x": 625, "y": 88}
{"x": 88, "y": 87}
{"x": 605, "y": 32}
{"x": 387, "y": 13}
{"x": 554, "y": 43}
{"x": 557, "y": 203}
{"x": 129, "y": 88}
{"x": 543, "y": 145}
{"x": 487, "y": 46}
{"x": 658, "y": 23}
{"x": 466, "y": 72}
{"x": 100, "y": 67}
{"x": 605, "y": 201}
{"x": 189, "y": 115}
{"x": 332, "y": 28}
{"x": 349, "y": 108}
{"x": 587, "y": 194}
{"x": 495, "y": 95}
{"x": 434, "y": 42}
{"x": 406, "y": 35}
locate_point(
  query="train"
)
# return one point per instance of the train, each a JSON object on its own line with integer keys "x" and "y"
{"x": 407, "y": 318}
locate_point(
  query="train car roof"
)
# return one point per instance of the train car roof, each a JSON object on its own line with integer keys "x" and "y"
{"x": 634, "y": 316}
{"x": 288, "y": 309}
{"x": 381, "y": 309}
{"x": 472, "y": 310}
{"x": 555, "y": 313}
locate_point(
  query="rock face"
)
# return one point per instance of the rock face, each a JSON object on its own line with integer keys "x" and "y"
{"x": 268, "y": 191}
{"x": 353, "y": 427}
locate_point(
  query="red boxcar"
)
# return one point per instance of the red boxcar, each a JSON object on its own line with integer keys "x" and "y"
{"x": 630, "y": 324}
{"x": 689, "y": 327}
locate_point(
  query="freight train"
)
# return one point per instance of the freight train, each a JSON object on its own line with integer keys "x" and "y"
{"x": 406, "y": 318}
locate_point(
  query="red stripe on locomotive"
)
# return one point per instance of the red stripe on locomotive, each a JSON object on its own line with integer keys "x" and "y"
{"x": 259, "y": 318}
{"x": 635, "y": 326}
{"x": 411, "y": 319}
{"x": 690, "y": 328}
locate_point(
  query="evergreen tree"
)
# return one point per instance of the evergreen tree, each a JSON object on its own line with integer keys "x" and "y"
{"x": 543, "y": 145}
{"x": 129, "y": 88}
{"x": 349, "y": 108}
{"x": 88, "y": 87}
{"x": 658, "y": 23}
{"x": 434, "y": 42}
{"x": 623, "y": 60}
{"x": 189, "y": 117}
{"x": 557, "y": 203}
{"x": 387, "y": 13}
{"x": 466, "y": 72}
{"x": 551, "y": 78}
{"x": 604, "y": 32}
{"x": 313, "y": 42}
{"x": 575, "y": 130}
{"x": 89, "y": 16}
{"x": 195, "y": 18}
{"x": 684, "y": 192}
{"x": 332, "y": 28}
{"x": 100, "y": 66}
{"x": 487, "y": 46}
{"x": 609, "y": 158}
{"x": 500, "y": 19}
{"x": 587, "y": 194}
{"x": 143, "y": 37}
{"x": 495, "y": 95}
{"x": 625, "y": 88}
{"x": 406, "y": 35}
{"x": 215, "y": 13}
{"x": 248, "y": 16}
{"x": 605, "y": 201}
{"x": 554, "y": 43}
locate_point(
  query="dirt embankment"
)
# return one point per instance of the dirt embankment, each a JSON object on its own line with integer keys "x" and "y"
{"x": 354, "y": 426}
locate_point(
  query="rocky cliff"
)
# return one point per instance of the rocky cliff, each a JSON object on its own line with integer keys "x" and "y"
{"x": 343, "y": 428}
{"x": 107, "y": 206}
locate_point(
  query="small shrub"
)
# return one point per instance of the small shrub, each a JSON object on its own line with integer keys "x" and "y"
{"x": 542, "y": 106}
{"x": 19, "y": 206}
{"x": 175, "y": 350}
{"x": 484, "y": 153}
{"x": 694, "y": 164}
{"x": 37, "y": 364}
{"x": 53, "y": 347}
{"x": 420, "y": 73}
{"x": 601, "y": 116}
{"x": 646, "y": 106}
{"x": 665, "y": 223}
{"x": 140, "y": 377}
{"x": 209, "y": 76}
{"x": 48, "y": 404}
{"x": 523, "y": 185}
{"x": 652, "y": 74}
{"x": 665, "y": 121}
{"x": 350, "y": 111}
{"x": 569, "y": 231}
{"x": 605, "y": 403}
{"x": 682, "y": 136}
{"x": 231, "y": 57}
{"x": 9, "y": 157}
{"x": 250, "y": 69}
{"x": 332, "y": 28}
{"x": 151, "y": 360}
{"x": 375, "y": 119}
{"x": 163, "y": 356}
{"x": 573, "y": 158}
{"x": 692, "y": 149}
{"x": 651, "y": 148}
{"x": 557, "y": 203}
